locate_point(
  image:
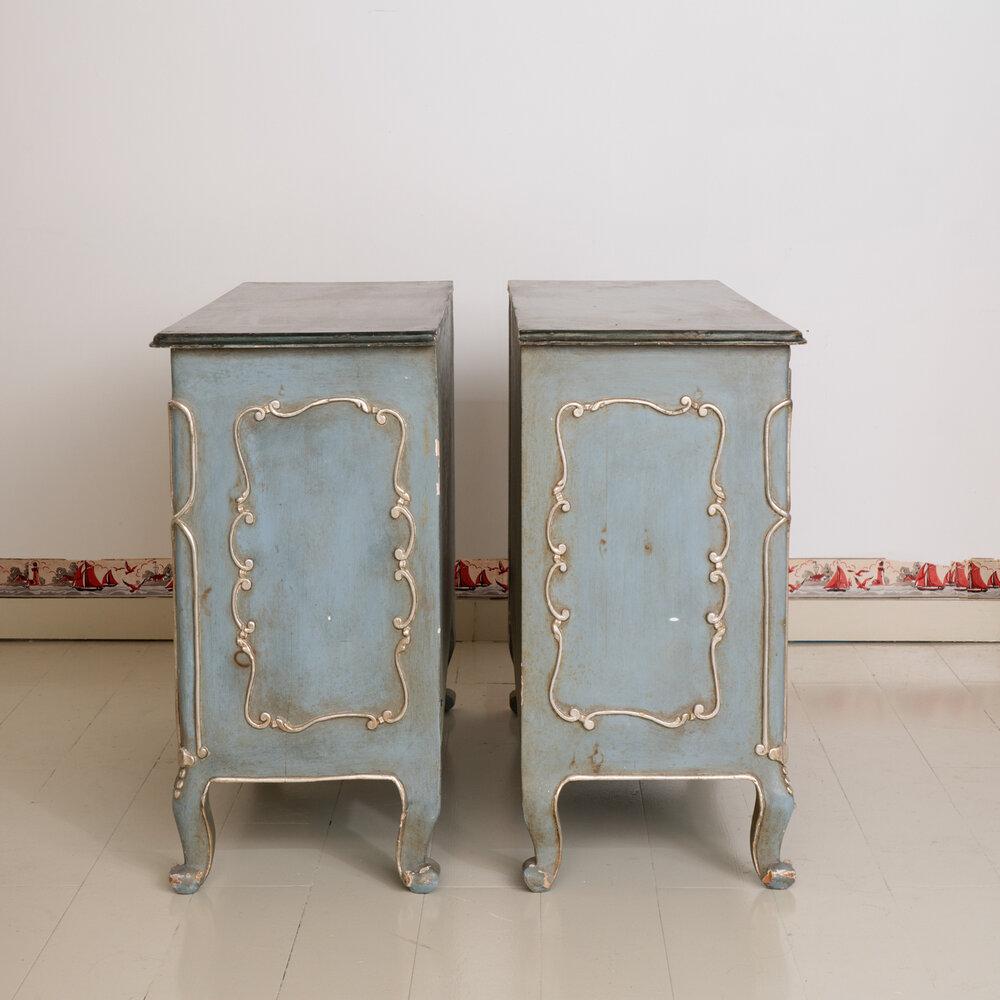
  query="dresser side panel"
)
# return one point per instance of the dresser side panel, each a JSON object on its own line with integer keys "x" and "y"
{"x": 672, "y": 454}
{"x": 218, "y": 385}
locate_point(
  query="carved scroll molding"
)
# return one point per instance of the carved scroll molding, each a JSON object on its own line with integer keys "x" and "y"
{"x": 189, "y": 758}
{"x": 246, "y": 656}
{"x": 773, "y": 751}
{"x": 560, "y": 615}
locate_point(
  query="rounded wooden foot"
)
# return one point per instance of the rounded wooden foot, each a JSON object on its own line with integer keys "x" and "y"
{"x": 425, "y": 878}
{"x": 513, "y": 702}
{"x": 779, "y": 876}
{"x": 186, "y": 879}
{"x": 534, "y": 878}
{"x": 449, "y": 699}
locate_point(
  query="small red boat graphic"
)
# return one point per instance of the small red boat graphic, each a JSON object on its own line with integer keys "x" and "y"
{"x": 86, "y": 577}
{"x": 840, "y": 581}
{"x": 976, "y": 581}
{"x": 928, "y": 579}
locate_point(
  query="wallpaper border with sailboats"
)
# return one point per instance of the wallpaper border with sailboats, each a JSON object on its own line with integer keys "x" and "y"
{"x": 861, "y": 578}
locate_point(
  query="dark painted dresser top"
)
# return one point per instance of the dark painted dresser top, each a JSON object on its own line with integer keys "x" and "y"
{"x": 692, "y": 312}
{"x": 286, "y": 314}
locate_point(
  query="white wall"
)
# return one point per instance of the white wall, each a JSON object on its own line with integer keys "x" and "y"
{"x": 837, "y": 163}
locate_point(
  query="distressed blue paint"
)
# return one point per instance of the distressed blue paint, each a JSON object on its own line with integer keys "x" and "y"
{"x": 324, "y": 593}
{"x": 636, "y": 584}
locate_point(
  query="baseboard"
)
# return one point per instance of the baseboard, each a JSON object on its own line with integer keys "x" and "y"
{"x": 893, "y": 620}
{"x": 487, "y": 620}
{"x": 106, "y": 618}
{"x": 813, "y": 620}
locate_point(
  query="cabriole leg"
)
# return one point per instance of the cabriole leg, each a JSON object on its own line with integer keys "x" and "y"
{"x": 541, "y": 813}
{"x": 421, "y": 805}
{"x": 193, "y": 816}
{"x": 771, "y": 814}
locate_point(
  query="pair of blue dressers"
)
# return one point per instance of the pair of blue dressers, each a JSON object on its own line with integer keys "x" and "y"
{"x": 312, "y": 480}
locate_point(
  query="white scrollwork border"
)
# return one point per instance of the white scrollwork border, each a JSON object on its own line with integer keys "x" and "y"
{"x": 246, "y": 656}
{"x": 777, "y": 752}
{"x": 558, "y": 550}
{"x": 188, "y": 758}
{"x": 177, "y": 521}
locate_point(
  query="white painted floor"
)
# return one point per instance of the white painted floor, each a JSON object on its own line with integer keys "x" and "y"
{"x": 895, "y": 763}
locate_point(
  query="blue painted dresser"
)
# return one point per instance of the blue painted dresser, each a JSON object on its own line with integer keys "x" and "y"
{"x": 649, "y": 516}
{"x": 311, "y": 442}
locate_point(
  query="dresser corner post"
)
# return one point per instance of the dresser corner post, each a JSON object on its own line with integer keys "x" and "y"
{"x": 775, "y": 800}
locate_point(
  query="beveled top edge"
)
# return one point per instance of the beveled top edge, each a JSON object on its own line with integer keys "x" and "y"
{"x": 288, "y": 314}
{"x": 693, "y": 312}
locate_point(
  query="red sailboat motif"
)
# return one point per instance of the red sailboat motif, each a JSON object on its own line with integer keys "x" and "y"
{"x": 994, "y": 580}
{"x": 928, "y": 579}
{"x": 483, "y": 580}
{"x": 960, "y": 579}
{"x": 949, "y": 577}
{"x": 86, "y": 577}
{"x": 108, "y": 580}
{"x": 463, "y": 578}
{"x": 840, "y": 581}
{"x": 976, "y": 581}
